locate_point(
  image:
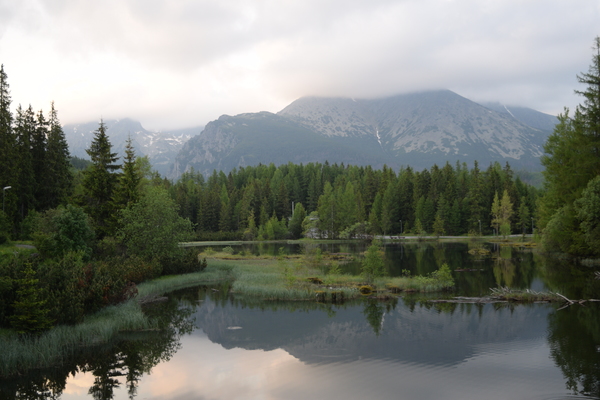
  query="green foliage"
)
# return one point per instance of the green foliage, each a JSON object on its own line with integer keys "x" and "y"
{"x": 561, "y": 233}
{"x": 310, "y": 225}
{"x": 358, "y": 230}
{"x": 373, "y": 265}
{"x": 127, "y": 190}
{"x": 30, "y": 311}
{"x": 63, "y": 230}
{"x": 4, "y": 228}
{"x": 58, "y": 163}
{"x": 443, "y": 275}
{"x": 571, "y": 163}
{"x": 250, "y": 233}
{"x": 99, "y": 182}
{"x": 65, "y": 283}
{"x": 295, "y": 226}
{"x": 152, "y": 228}
{"x": 438, "y": 225}
{"x": 588, "y": 212}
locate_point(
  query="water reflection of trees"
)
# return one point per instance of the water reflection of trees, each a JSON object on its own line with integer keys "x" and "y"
{"x": 568, "y": 277}
{"x": 574, "y": 338}
{"x": 374, "y": 311}
{"x": 127, "y": 358}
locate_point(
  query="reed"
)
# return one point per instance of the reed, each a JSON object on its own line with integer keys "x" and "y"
{"x": 292, "y": 279}
{"x": 21, "y": 353}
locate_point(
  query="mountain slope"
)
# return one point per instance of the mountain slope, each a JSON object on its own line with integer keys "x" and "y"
{"x": 422, "y": 128}
{"x": 417, "y": 129}
{"x": 250, "y": 139}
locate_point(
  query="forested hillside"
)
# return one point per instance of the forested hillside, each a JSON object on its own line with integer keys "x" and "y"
{"x": 271, "y": 202}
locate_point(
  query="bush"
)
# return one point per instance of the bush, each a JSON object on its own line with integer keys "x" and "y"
{"x": 152, "y": 228}
{"x": 373, "y": 265}
{"x": 182, "y": 262}
{"x": 63, "y": 230}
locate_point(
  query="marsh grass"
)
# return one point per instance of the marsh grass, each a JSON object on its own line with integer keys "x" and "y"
{"x": 297, "y": 279}
{"x": 22, "y": 353}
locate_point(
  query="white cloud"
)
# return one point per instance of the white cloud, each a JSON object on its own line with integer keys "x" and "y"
{"x": 180, "y": 63}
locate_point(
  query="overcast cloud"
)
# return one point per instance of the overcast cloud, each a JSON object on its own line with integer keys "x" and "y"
{"x": 172, "y": 64}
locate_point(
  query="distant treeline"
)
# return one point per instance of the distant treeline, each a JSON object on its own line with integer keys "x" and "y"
{"x": 338, "y": 200}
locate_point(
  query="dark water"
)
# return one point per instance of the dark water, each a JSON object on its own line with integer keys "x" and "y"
{"x": 217, "y": 346}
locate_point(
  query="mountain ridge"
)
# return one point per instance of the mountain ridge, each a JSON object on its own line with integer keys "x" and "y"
{"x": 416, "y": 129}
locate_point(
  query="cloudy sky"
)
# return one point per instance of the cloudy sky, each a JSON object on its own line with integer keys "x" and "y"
{"x": 181, "y": 63}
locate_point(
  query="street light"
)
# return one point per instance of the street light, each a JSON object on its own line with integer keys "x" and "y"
{"x": 479, "y": 227}
{"x": 532, "y": 225}
{"x": 401, "y": 230}
{"x": 4, "y": 195}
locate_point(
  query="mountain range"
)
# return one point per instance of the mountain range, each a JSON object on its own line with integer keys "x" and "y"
{"x": 415, "y": 129}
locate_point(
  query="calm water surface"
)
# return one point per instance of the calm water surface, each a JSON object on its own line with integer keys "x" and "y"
{"x": 219, "y": 346}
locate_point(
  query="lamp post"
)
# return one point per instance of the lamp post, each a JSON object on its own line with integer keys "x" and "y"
{"x": 401, "y": 230}
{"x": 4, "y": 195}
{"x": 479, "y": 227}
{"x": 532, "y": 225}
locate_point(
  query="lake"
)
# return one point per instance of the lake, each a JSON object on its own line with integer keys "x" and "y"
{"x": 216, "y": 345}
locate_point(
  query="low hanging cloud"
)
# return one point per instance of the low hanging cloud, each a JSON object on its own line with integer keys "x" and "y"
{"x": 172, "y": 64}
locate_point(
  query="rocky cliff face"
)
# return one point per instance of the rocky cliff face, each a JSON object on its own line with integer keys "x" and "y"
{"x": 439, "y": 122}
{"x": 418, "y": 129}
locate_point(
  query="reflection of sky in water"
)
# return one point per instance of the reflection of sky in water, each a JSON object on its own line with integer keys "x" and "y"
{"x": 216, "y": 373}
{"x": 517, "y": 367}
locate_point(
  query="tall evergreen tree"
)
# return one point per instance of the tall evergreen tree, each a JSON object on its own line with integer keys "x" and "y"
{"x": 25, "y": 187}
{"x": 572, "y": 160}
{"x": 39, "y": 144}
{"x": 8, "y": 146}
{"x": 100, "y": 181}
{"x": 59, "y": 175}
{"x": 127, "y": 190}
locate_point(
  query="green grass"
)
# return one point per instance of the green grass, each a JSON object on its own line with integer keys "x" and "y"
{"x": 272, "y": 278}
{"x": 21, "y": 353}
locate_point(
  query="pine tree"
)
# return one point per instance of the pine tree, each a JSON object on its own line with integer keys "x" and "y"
{"x": 127, "y": 190}
{"x": 8, "y": 146}
{"x": 30, "y": 311}
{"x": 25, "y": 187}
{"x": 100, "y": 181}
{"x": 39, "y": 144}
{"x": 60, "y": 177}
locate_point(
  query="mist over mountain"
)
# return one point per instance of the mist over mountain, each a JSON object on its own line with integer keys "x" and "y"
{"x": 160, "y": 147}
{"x": 417, "y": 130}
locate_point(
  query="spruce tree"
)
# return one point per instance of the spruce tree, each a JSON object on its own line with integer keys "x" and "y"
{"x": 99, "y": 182}
{"x": 60, "y": 177}
{"x": 39, "y": 144}
{"x": 127, "y": 190}
{"x": 8, "y": 146}
{"x": 25, "y": 187}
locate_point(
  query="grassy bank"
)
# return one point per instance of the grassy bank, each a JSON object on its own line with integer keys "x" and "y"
{"x": 22, "y": 353}
{"x": 302, "y": 277}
